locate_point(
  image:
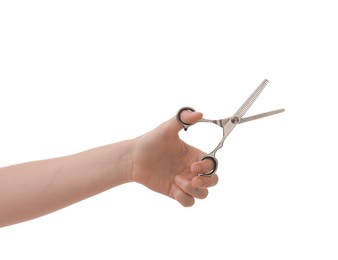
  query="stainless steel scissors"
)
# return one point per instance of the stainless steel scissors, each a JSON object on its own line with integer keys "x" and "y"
{"x": 228, "y": 124}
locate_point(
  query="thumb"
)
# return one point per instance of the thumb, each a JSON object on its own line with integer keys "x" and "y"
{"x": 186, "y": 116}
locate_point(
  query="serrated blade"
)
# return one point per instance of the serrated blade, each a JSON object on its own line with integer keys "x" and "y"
{"x": 251, "y": 99}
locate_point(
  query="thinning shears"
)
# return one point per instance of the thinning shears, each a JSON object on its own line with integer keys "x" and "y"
{"x": 228, "y": 124}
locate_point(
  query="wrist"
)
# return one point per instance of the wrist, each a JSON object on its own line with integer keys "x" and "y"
{"x": 106, "y": 166}
{"x": 121, "y": 162}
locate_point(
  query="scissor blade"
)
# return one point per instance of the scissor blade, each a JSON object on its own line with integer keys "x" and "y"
{"x": 236, "y": 119}
{"x": 252, "y": 98}
{"x": 250, "y": 118}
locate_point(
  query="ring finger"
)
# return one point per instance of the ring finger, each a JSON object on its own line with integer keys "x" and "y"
{"x": 185, "y": 185}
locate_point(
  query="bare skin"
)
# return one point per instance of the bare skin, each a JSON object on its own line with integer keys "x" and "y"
{"x": 159, "y": 160}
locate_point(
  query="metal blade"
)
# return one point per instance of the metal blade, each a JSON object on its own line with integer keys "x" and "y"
{"x": 248, "y": 103}
{"x": 250, "y": 118}
{"x": 222, "y": 122}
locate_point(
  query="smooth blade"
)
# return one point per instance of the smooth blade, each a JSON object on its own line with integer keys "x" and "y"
{"x": 250, "y": 118}
{"x": 222, "y": 122}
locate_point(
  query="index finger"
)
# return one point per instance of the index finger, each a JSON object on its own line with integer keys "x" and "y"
{"x": 200, "y": 180}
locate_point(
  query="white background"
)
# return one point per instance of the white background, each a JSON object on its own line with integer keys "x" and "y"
{"x": 79, "y": 74}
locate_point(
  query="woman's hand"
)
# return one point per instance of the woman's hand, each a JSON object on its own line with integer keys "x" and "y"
{"x": 166, "y": 164}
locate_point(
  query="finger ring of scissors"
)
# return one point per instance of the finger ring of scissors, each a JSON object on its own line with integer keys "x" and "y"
{"x": 178, "y": 117}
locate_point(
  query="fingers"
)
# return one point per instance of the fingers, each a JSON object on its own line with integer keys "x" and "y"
{"x": 202, "y": 166}
{"x": 203, "y": 181}
{"x": 185, "y": 191}
{"x": 185, "y": 185}
{"x": 182, "y": 197}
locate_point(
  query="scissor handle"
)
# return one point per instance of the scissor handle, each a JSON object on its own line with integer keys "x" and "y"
{"x": 210, "y": 156}
{"x": 215, "y": 162}
{"x": 178, "y": 117}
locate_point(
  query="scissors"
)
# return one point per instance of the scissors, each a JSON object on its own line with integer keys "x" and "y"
{"x": 228, "y": 124}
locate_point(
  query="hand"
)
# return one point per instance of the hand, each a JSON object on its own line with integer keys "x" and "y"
{"x": 166, "y": 164}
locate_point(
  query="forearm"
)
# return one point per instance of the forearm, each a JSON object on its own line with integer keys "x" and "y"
{"x": 37, "y": 188}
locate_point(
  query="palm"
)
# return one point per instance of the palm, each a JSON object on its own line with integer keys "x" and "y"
{"x": 159, "y": 156}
